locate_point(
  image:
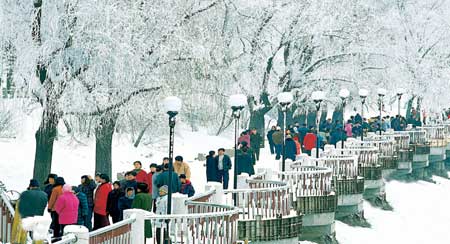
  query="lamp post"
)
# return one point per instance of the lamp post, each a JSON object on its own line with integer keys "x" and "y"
{"x": 381, "y": 93}
{"x": 344, "y": 94}
{"x": 400, "y": 93}
{"x": 363, "y": 93}
{"x": 237, "y": 103}
{"x": 317, "y": 97}
{"x": 284, "y": 99}
{"x": 172, "y": 106}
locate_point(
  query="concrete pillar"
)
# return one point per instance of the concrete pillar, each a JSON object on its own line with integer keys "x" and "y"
{"x": 80, "y": 232}
{"x": 219, "y": 197}
{"x": 242, "y": 181}
{"x": 178, "y": 203}
{"x": 138, "y": 227}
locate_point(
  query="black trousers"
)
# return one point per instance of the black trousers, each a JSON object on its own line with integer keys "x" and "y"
{"x": 57, "y": 232}
{"x": 100, "y": 221}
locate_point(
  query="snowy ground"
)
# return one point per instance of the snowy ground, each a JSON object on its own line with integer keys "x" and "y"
{"x": 420, "y": 209}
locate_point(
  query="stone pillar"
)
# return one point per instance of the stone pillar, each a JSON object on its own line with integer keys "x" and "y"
{"x": 138, "y": 227}
{"x": 178, "y": 203}
{"x": 80, "y": 232}
{"x": 242, "y": 181}
{"x": 217, "y": 198}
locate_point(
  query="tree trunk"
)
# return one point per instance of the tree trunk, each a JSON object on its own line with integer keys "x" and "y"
{"x": 103, "y": 142}
{"x": 45, "y": 136}
{"x": 338, "y": 115}
{"x": 142, "y": 133}
{"x": 289, "y": 116}
{"x": 257, "y": 121}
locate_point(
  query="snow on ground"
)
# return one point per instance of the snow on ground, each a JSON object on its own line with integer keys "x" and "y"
{"x": 420, "y": 209}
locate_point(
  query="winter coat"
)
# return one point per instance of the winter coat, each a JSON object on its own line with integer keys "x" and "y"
{"x": 155, "y": 189}
{"x": 129, "y": 184}
{"x": 269, "y": 136}
{"x": 291, "y": 149}
{"x": 82, "y": 207}
{"x": 112, "y": 205}
{"x": 187, "y": 189}
{"x": 144, "y": 201}
{"x": 299, "y": 147}
{"x": 125, "y": 203}
{"x": 48, "y": 190}
{"x": 150, "y": 182}
{"x": 278, "y": 137}
{"x": 337, "y": 135}
{"x": 141, "y": 176}
{"x": 33, "y": 203}
{"x": 161, "y": 209}
{"x": 348, "y": 129}
{"x": 88, "y": 189}
{"x": 357, "y": 130}
{"x": 302, "y": 131}
{"x": 226, "y": 162}
{"x": 310, "y": 141}
{"x": 163, "y": 180}
{"x": 56, "y": 192}
{"x": 358, "y": 119}
{"x": 101, "y": 198}
{"x": 67, "y": 208}
{"x": 245, "y": 138}
{"x": 182, "y": 168}
{"x": 212, "y": 169}
{"x": 245, "y": 161}
{"x": 256, "y": 141}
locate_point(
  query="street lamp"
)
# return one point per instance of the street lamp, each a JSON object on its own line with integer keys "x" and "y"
{"x": 172, "y": 105}
{"x": 284, "y": 99}
{"x": 317, "y": 97}
{"x": 381, "y": 93}
{"x": 363, "y": 93}
{"x": 344, "y": 94}
{"x": 237, "y": 102}
{"x": 400, "y": 93}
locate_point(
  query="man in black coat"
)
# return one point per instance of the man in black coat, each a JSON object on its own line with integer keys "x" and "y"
{"x": 33, "y": 201}
{"x": 223, "y": 166}
{"x": 245, "y": 160}
{"x": 255, "y": 142}
{"x": 49, "y": 184}
{"x": 269, "y": 138}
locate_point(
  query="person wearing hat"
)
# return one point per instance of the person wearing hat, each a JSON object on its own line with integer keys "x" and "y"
{"x": 57, "y": 191}
{"x": 49, "y": 183}
{"x": 161, "y": 209}
{"x": 163, "y": 179}
{"x": 150, "y": 177}
{"x": 181, "y": 167}
{"x": 33, "y": 201}
{"x": 186, "y": 186}
{"x": 143, "y": 201}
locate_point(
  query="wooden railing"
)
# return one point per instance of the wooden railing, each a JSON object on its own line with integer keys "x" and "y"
{"x": 119, "y": 233}
{"x": 343, "y": 166}
{"x": 6, "y": 219}
{"x": 386, "y": 147}
{"x": 267, "y": 199}
{"x": 308, "y": 180}
{"x": 367, "y": 155}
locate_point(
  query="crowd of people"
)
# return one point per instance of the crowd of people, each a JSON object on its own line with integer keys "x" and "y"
{"x": 98, "y": 200}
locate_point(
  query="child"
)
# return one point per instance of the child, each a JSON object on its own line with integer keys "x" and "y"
{"x": 161, "y": 208}
{"x": 126, "y": 201}
{"x": 186, "y": 186}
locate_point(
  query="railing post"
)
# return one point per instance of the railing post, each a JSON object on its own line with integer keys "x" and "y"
{"x": 80, "y": 232}
{"x": 138, "y": 227}
{"x": 218, "y": 197}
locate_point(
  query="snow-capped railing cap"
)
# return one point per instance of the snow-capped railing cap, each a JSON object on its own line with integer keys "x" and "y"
{"x": 237, "y": 101}
{"x": 285, "y": 97}
{"x": 363, "y": 92}
{"x": 344, "y": 93}
{"x": 172, "y": 104}
{"x": 318, "y": 96}
{"x": 381, "y": 92}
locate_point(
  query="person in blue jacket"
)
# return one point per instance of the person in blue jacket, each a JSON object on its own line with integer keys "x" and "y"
{"x": 186, "y": 186}
{"x": 291, "y": 148}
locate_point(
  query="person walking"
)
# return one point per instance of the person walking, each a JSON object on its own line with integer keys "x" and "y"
{"x": 181, "y": 168}
{"x": 112, "y": 204}
{"x": 256, "y": 141}
{"x": 67, "y": 208}
{"x": 212, "y": 169}
{"x": 87, "y": 187}
{"x": 33, "y": 201}
{"x": 126, "y": 201}
{"x": 143, "y": 201}
{"x": 278, "y": 141}
{"x": 83, "y": 207}
{"x": 223, "y": 165}
{"x": 186, "y": 186}
{"x": 245, "y": 160}
{"x": 270, "y": 139}
{"x": 291, "y": 148}
{"x": 100, "y": 203}
{"x": 57, "y": 191}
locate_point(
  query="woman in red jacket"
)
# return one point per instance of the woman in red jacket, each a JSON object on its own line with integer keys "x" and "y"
{"x": 100, "y": 202}
{"x": 309, "y": 142}
{"x": 141, "y": 175}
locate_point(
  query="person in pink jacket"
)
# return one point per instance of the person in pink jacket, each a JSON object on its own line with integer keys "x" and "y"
{"x": 348, "y": 128}
{"x": 67, "y": 207}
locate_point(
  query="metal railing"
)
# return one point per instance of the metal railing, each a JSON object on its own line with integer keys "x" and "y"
{"x": 6, "y": 219}
{"x": 367, "y": 155}
{"x": 435, "y": 135}
{"x": 308, "y": 180}
{"x": 119, "y": 233}
{"x": 386, "y": 147}
{"x": 263, "y": 198}
{"x": 343, "y": 166}
{"x": 68, "y": 239}
{"x": 206, "y": 223}
{"x": 416, "y": 137}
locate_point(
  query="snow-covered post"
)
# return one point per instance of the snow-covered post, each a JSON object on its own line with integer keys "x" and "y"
{"x": 344, "y": 94}
{"x": 363, "y": 93}
{"x": 284, "y": 99}
{"x": 80, "y": 232}
{"x": 217, "y": 198}
{"x": 178, "y": 203}
{"x": 138, "y": 226}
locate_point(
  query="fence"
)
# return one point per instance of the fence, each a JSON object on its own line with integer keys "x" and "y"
{"x": 308, "y": 180}
{"x": 119, "y": 233}
{"x": 435, "y": 135}
{"x": 6, "y": 219}
{"x": 344, "y": 167}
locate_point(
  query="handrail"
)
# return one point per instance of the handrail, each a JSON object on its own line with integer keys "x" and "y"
{"x": 308, "y": 180}
{"x": 282, "y": 186}
{"x": 367, "y": 156}
{"x": 153, "y": 216}
{"x": 117, "y": 225}
{"x": 7, "y": 202}
{"x": 201, "y": 196}
{"x": 70, "y": 238}
{"x": 343, "y": 166}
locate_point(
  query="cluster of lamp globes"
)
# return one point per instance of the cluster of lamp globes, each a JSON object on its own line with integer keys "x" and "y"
{"x": 238, "y": 101}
